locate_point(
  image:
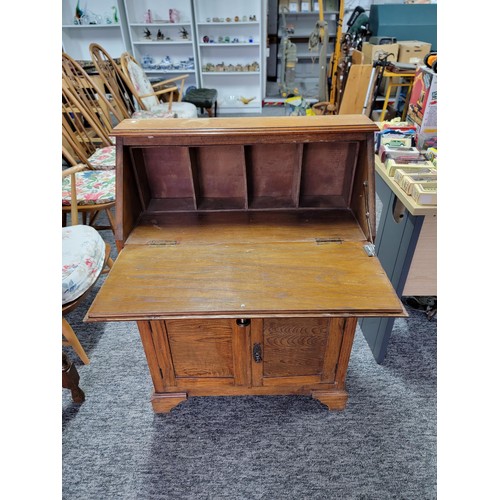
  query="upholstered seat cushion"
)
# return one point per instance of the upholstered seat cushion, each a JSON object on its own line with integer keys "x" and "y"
{"x": 181, "y": 109}
{"x": 83, "y": 253}
{"x": 202, "y": 98}
{"x": 92, "y": 187}
{"x": 104, "y": 158}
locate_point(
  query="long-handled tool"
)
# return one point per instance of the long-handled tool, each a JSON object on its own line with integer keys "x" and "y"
{"x": 334, "y": 61}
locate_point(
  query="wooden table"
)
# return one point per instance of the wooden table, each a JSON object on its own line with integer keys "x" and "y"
{"x": 243, "y": 256}
{"x": 406, "y": 246}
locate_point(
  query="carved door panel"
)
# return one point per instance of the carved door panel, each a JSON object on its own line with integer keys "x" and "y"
{"x": 295, "y": 350}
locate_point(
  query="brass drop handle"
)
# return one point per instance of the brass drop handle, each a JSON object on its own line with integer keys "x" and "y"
{"x": 257, "y": 353}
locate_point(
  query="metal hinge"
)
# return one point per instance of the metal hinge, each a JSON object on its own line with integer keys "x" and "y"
{"x": 370, "y": 249}
{"x": 162, "y": 243}
{"x": 324, "y": 241}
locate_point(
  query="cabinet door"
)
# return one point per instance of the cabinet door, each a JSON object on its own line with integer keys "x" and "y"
{"x": 295, "y": 350}
{"x": 188, "y": 354}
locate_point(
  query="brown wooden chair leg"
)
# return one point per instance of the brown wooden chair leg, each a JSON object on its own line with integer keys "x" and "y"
{"x": 71, "y": 379}
{"x": 70, "y": 336}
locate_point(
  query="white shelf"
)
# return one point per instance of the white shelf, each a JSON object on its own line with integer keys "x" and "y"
{"x": 163, "y": 42}
{"x": 177, "y": 49}
{"x": 229, "y": 73}
{"x": 230, "y": 23}
{"x": 230, "y": 44}
{"x": 231, "y": 85}
{"x": 90, "y": 26}
{"x": 76, "y": 38}
{"x": 159, "y": 23}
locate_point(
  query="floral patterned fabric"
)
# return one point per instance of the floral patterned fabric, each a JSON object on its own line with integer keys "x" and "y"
{"x": 83, "y": 252}
{"x": 92, "y": 186}
{"x": 104, "y": 158}
{"x": 141, "y": 84}
{"x": 160, "y": 113}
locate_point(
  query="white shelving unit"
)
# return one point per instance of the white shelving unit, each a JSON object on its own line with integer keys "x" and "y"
{"x": 230, "y": 49}
{"x": 170, "y": 47}
{"x": 102, "y": 22}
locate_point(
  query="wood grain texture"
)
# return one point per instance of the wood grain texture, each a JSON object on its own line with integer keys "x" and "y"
{"x": 164, "y": 402}
{"x": 226, "y": 130}
{"x": 213, "y": 228}
{"x": 294, "y": 346}
{"x": 244, "y": 280}
{"x": 201, "y": 348}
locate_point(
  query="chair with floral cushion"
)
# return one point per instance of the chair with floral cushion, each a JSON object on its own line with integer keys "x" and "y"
{"x": 95, "y": 192}
{"x": 84, "y": 258}
{"x": 148, "y": 95}
{"x": 115, "y": 84}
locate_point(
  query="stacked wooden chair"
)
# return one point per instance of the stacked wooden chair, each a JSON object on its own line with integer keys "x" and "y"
{"x": 84, "y": 142}
{"x": 84, "y": 257}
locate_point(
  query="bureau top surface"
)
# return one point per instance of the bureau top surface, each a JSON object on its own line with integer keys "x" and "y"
{"x": 274, "y": 125}
{"x": 245, "y": 267}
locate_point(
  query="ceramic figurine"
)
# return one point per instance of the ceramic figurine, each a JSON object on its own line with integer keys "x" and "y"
{"x": 160, "y": 35}
{"x": 148, "y": 17}
{"x": 147, "y": 61}
{"x": 78, "y": 13}
{"x": 174, "y": 15}
{"x": 147, "y": 34}
{"x": 228, "y": 19}
{"x": 206, "y": 39}
{"x": 115, "y": 14}
{"x": 165, "y": 63}
{"x": 245, "y": 19}
{"x": 236, "y": 19}
{"x": 246, "y": 100}
{"x": 253, "y": 18}
{"x": 184, "y": 34}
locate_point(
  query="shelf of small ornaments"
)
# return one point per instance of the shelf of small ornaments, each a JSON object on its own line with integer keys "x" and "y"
{"x": 161, "y": 38}
{"x": 165, "y": 64}
{"x": 231, "y": 69}
{"x": 173, "y": 20}
{"x": 227, "y": 41}
{"x": 229, "y": 20}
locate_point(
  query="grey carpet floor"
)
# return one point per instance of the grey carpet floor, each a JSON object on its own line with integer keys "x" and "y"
{"x": 382, "y": 446}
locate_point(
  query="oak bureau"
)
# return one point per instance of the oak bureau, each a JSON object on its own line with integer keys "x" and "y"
{"x": 245, "y": 253}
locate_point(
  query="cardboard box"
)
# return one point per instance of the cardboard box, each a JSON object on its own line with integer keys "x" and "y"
{"x": 425, "y": 193}
{"x": 371, "y": 52}
{"x": 413, "y": 51}
{"x": 422, "y": 109}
